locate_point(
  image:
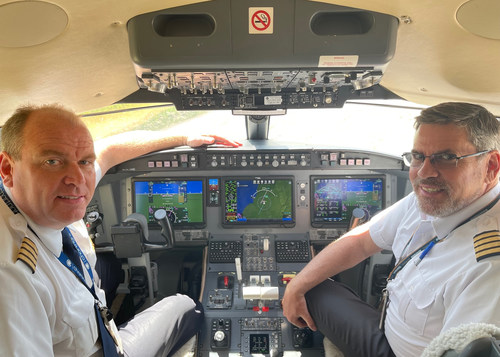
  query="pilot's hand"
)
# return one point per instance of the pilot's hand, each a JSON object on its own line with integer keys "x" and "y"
{"x": 199, "y": 140}
{"x": 295, "y": 309}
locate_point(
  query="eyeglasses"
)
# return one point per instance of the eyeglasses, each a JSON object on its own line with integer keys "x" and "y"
{"x": 442, "y": 160}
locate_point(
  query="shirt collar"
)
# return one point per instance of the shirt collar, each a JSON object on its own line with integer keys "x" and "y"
{"x": 51, "y": 238}
{"x": 444, "y": 225}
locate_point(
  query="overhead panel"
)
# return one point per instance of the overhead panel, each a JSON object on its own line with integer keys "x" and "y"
{"x": 234, "y": 54}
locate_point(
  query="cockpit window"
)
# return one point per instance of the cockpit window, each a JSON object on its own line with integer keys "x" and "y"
{"x": 385, "y": 126}
{"x": 119, "y": 118}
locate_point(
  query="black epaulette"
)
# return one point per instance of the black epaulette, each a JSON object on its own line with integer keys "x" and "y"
{"x": 28, "y": 253}
{"x": 487, "y": 244}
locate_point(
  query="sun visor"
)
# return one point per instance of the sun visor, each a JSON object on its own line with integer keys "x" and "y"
{"x": 233, "y": 54}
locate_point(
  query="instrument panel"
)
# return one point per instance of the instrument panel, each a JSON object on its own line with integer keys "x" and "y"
{"x": 259, "y": 214}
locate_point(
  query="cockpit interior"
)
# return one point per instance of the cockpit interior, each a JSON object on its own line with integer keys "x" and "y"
{"x": 232, "y": 226}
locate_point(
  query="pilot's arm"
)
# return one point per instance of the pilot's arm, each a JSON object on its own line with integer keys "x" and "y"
{"x": 338, "y": 256}
{"x": 116, "y": 149}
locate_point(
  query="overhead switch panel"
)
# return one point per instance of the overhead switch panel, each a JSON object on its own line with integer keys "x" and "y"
{"x": 236, "y": 55}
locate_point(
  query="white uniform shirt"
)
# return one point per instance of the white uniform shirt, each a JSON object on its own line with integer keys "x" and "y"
{"x": 53, "y": 311}
{"x": 452, "y": 285}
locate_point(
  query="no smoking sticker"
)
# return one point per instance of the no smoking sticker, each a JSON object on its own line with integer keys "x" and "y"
{"x": 260, "y": 20}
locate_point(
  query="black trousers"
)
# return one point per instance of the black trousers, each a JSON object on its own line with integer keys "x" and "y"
{"x": 350, "y": 323}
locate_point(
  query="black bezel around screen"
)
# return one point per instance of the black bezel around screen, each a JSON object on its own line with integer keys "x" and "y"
{"x": 341, "y": 216}
{"x": 235, "y": 216}
{"x": 195, "y": 219}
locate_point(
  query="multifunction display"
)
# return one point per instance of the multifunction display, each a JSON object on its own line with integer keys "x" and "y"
{"x": 258, "y": 200}
{"x": 335, "y": 198}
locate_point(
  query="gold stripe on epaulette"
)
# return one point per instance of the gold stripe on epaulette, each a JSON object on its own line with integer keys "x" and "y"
{"x": 28, "y": 253}
{"x": 487, "y": 244}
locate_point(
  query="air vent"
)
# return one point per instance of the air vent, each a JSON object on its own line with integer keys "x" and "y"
{"x": 341, "y": 23}
{"x": 184, "y": 25}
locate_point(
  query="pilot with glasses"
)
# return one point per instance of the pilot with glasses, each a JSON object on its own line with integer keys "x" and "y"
{"x": 445, "y": 236}
{"x": 442, "y": 160}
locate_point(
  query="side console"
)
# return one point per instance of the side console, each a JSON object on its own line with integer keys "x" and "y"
{"x": 245, "y": 281}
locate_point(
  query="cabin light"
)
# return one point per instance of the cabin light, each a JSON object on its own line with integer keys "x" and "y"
{"x": 480, "y": 17}
{"x": 30, "y": 23}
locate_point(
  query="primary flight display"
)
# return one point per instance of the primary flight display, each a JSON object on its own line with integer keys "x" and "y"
{"x": 182, "y": 199}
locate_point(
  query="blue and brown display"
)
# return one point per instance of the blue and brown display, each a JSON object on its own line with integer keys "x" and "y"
{"x": 335, "y": 198}
{"x": 183, "y": 199}
{"x": 259, "y": 200}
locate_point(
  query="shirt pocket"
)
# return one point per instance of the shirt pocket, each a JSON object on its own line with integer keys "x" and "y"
{"x": 415, "y": 306}
{"x": 80, "y": 317}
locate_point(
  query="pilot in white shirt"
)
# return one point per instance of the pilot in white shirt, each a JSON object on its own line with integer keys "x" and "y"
{"x": 51, "y": 298}
{"x": 456, "y": 282}
{"x": 48, "y": 167}
{"x": 450, "y": 221}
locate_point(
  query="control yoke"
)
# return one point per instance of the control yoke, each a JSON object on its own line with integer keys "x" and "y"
{"x": 131, "y": 237}
{"x": 359, "y": 216}
{"x": 167, "y": 231}
{"x": 137, "y": 218}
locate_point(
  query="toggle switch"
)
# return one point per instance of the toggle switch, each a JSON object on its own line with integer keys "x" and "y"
{"x": 225, "y": 282}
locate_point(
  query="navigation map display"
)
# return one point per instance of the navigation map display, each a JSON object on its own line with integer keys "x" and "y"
{"x": 258, "y": 200}
{"x": 335, "y": 198}
{"x": 181, "y": 198}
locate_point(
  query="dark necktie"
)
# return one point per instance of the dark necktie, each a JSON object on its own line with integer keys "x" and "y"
{"x": 108, "y": 345}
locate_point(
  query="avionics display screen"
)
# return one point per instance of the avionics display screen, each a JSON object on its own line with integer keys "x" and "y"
{"x": 258, "y": 200}
{"x": 183, "y": 199}
{"x": 335, "y": 198}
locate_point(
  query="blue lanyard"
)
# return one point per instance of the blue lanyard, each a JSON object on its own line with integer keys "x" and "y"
{"x": 424, "y": 249}
{"x": 63, "y": 258}
{"x": 5, "y": 197}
